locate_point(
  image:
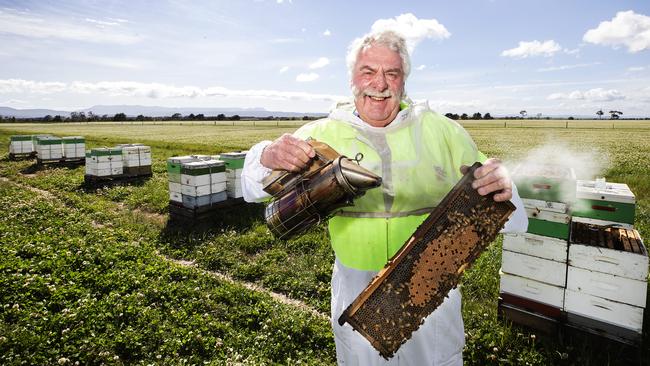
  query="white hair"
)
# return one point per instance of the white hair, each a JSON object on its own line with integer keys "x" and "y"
{"x": 386, "y": 38}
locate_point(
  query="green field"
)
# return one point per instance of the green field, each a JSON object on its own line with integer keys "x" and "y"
{"x": 96, "y": 276}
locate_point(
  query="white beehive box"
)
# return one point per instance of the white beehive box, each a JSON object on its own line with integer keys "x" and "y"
{"x": 536, "y": 245}
{"x": 74, "y": 147}
{"x": 547, "y": 218}
{"x": 607, "y": 275}
{"x": 203, "y": 182}
{"x": 604, "y": 310}
{"x": 531, "y": 289}
{"x": 174, "y": 165}
{"x": 21, "y": 144}
{"x": 613, "y": 261}
{"x": 234, "y": 167}
{"x": 49, "y": 148}
{"x": 136, "y": 155}
{"x": 605, "y": 285}
{"x": 534, "y": 268}
{"x": 104, "y": 162}
{"x": 600, "y": 200}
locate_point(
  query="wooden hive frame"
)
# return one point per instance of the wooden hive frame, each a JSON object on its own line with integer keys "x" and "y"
{"x": 419, "y": 276}
{"x": 610, "y": 237}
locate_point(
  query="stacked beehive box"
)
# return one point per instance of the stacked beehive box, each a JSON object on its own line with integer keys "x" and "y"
{"x": 104, "y": 162}
{"x": 234, "y": 167}
{"x": 49, "y": 148}
{"x": 608, "y": 263}
{"x": 74, "y": 147}
{"x": 534, "y": 264}
{"x": 604, "y": 203}
{"x": 36, "y": 137}
{"x": 196, "y": 182}
{"x": 136, "y": 159}
{"x": 203, "y": 183}
{"x": 21, "y": 145}
{"x": 174, "y": 177}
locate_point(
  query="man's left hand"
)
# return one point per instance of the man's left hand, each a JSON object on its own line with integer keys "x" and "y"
{"x": 492, "y": 177}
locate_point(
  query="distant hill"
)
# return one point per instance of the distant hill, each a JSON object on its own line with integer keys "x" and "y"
{"x": 153, "y": 111}
{"x": 30, "y": 113}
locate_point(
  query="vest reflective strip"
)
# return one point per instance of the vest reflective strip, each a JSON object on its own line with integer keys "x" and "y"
{"x": 386, "y": 215}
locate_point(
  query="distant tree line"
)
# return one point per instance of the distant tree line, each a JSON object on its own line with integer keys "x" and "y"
{"x": 122, "y": 117}
{"x": 464, "y": 116}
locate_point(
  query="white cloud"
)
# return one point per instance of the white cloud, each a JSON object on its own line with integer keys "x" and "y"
{"x": 327, "y": 33}
{"x": 533, "y": 48}
{"x": 421, "y": 67}
{"x": 152, "y": 90}
{"x": 575, "y": 51}
{"x": 636, "y": 68}
{"x": 413, "y": 29}
{"x": 307, "y": 77}
{"x": 20, "y": 24}
{"x": 284, "y": 69}
{"x": 567, "y": 67}
{"x": 101, "y": 22}
{"x": 30, "y": 86}
{"x": 627, "y": 28}
{"x": 320, "y": 63}
{"x": 119, "y": 20}
{"x": 592, "y": 95}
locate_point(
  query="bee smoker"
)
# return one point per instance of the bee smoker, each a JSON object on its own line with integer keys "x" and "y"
{"x": 303, "y": 199}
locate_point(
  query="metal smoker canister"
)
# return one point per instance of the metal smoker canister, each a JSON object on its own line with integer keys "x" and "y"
{"x": 308, "y": 197}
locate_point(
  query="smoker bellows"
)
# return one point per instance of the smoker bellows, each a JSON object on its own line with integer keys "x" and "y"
{"x": 301, "y": 200}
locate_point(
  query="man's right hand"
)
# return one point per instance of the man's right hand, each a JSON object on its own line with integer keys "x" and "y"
{"x": 287, "y": 153}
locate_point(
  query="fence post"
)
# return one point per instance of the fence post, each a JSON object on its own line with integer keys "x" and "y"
{"x": 567, "y": 124}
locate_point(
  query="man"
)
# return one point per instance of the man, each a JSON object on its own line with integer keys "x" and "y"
{"x": 419, "y": 155}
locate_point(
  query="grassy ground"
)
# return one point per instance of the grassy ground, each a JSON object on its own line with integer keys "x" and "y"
{"x": 121, "y": 233}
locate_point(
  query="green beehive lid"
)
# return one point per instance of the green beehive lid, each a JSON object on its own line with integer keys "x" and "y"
{"x": 21, "y": 137}
{"x": 216, "y": 166}
{"x": 72, "y": 139}
{"x": 234, "y": 160}
{"x": 203, "y": 167}
{"x": 174, "y": 163}
{"x": 36, "y": 137}
{"x": 48, "y": 140}
{"x": 195, "y": 168}
{"x": 607, "y": 201}
{"x": 105, "y": 151}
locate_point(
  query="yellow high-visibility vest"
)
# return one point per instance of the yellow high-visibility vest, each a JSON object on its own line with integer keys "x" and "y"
{"x": 418, "y": 156}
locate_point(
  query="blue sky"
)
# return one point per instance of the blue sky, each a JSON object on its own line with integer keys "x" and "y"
{"x": 549, "y": 57}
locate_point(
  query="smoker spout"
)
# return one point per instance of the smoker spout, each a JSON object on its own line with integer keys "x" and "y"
{"x": 360, "y": 178}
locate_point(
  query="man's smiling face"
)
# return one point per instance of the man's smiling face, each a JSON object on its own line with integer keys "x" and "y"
{"x": 378, "y": 85}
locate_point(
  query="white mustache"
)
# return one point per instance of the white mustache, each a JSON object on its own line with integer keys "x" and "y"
{"x": 374, "y": 93}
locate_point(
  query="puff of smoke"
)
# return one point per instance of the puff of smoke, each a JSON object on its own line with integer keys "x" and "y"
{"x": 587, "y": 163}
